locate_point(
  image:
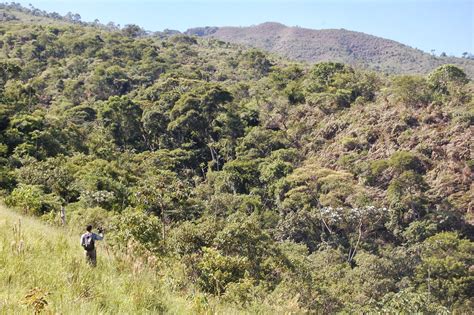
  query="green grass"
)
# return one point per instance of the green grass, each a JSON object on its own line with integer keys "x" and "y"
{"x": 48, "y": 263}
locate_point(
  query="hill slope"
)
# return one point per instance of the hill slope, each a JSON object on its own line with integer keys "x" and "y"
{"x": 47, "y": 263}
{"x": 341, "y": 45}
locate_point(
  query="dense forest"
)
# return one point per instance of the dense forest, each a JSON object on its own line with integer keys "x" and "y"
{"x": 257, "y": 182}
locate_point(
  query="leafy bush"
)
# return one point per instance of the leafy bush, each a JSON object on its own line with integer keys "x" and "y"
{"x": 191, "y": 237}
{"x": 139, "y": 230}
{"x": 446, "y": 78}
{"x": 405, "y": 161}
{"x": 412, "y": 90}
{"x": 216, "y": 271}
{"x": 32, "y": 200}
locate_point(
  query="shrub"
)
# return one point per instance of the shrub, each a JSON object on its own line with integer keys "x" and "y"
{"x": 406, "y": 198}
{"x": 137, "y": 228}
{"x": 216, "y": 271}
{"x": 404, "y": 161}
{"x": 446, "y": 77}
{"x": 191, "y": 236}
{"x": 32, "y": 200}
{"x": 351, "y": 143}
{"x": 97, "y": 217}
{"x": 375, "y": 172}
{"x": 301, "y": 227}
{"x": 411, "y": 90}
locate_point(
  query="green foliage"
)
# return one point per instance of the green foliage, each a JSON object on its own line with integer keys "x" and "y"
{"x": 257, "y": 61}
{"x": 239, "y": 176}
{"x": 301, "y": 227}
{"x": 260, "y": 142}
{"x": 106, "y": 82}
{"x": 405, "y": 161}
{"x": 138, "y": 231}
{"x": 312, "y": 186}
{"x": 412, "y": 90}
{"x": 372, "y": 278}
{"x": 32, "y": 200}
{"x": 325, "y": 74}
{"x": 53, "y": 174}
{"x": 445, "y": 79}
{"x": 122, "y": 118}
{"x": 165, "y": 195}
{"x": 410, "y": 302}
{"x": 102, "y": 184}
{"x": 243, "y": 236}
{"x": 444, "y": 271}
{"x": 376, "y": 171}
{"x": 192, "y": 236}
{"x": 407, "y": 200}
{"x": 217, "y": 271}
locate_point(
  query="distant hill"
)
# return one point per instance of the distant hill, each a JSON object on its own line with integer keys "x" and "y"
{"x": 355, "y": 48}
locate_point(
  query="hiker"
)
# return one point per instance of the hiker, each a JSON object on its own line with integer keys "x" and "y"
{"x": 88, "y": 243}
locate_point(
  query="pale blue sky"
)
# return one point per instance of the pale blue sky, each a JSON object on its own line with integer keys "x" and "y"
{"x": 446, "y": 26}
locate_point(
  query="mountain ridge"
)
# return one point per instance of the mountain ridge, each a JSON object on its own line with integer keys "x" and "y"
{"x": 341, "y": 45}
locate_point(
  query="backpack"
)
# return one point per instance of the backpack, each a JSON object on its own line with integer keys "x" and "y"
{"x": 88, "y": 242}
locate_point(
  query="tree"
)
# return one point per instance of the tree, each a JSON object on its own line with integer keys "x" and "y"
{"x": 323, "y": 75}
{"x": 260, "y": 142}
{"x": 411, "y": 90}
{"x": 194, "y": 120}
{"x": 122, "y": 117}
{"x": 133, "y": 30}
{"x": 446, "y": 78}
{"x": 8, "y": 70}
{"x": 257, "y": 61}
{"x": 54, "y": 175}
{"x": 138, "y": 231}
{"x": 164, "y": 195}
{"x": 401, "y": 161}
{"x": 407, "y": 200}
{"x": 107, "y": 82}
{"x": 444, "y": 272}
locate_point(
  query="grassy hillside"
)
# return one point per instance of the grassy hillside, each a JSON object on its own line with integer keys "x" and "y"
{"x": 44, "y": 266}
{"x": 341, "y": 45}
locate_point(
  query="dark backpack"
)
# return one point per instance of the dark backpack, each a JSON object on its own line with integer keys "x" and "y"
{"x": 88, "y": 242}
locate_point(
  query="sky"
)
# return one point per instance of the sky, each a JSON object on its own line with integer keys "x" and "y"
{"x": 443, "y": 26}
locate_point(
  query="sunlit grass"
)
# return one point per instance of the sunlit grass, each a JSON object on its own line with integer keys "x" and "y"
{"x": 47, "y": 264}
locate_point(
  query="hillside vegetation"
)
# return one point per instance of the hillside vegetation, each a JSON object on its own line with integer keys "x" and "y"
{"x": 42, "y": 267}
{"x": 339, "y": 45}
{"x": 227, "y": 179}
{"x": 43, "y": 270}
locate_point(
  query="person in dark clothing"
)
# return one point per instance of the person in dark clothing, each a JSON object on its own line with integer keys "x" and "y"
{"x": 88, "y": 243}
